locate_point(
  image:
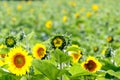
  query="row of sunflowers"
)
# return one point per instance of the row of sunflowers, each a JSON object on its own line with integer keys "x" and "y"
{"x": 60, "y": 40}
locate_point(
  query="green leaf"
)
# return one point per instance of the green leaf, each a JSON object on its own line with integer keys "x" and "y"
{"x": 113, "y": 73}
{"x": 61, "y": 56}
{"x": 38, "y": 77}
{"x": 23, "y": 78}
{"x": 29, "y": 36}
{"x": 46, "y": 68}
{"x": 78, "y": 72}
{"x": 107, "y": 65}
{"x": 73, "y": 48}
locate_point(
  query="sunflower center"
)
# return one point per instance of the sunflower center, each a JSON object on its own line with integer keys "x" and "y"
{"x": 57, "y": 42}
{"x": 40, "y": 52}
{"x": 91, "y": 66}
{"x": 76, "y": 56}
{"x": 19, "y": 60}
{"x": 10, "y": 41}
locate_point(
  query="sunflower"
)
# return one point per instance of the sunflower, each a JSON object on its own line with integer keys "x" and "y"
{"x": 49, "y": 24}
{"x": 95, "y": 7}
{"x": 58, "y": 42}
{"x": 95, "y": 49}
{"x": 109, "y": 39}
{"x": 18, "y": 61}
{"x": 64, "y": 19}
{"x": 39, "y": 51}
{"x": 19, "y": 7}
{"x": 76, "y": 55}
{"x": 92, "y": 65}
{"x": 2, "y": 61}
{"x": 10, "y": 41}
{"x": 77, "y": 15}
{"x": 88, "y": 14}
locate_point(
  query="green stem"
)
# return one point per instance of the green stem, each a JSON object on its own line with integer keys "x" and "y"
{"x": 61, "y": 67}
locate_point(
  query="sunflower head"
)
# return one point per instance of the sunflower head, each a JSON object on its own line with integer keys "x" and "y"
{"x": 88, "y": 14}
{"x": 92, "y": 65}
{"x": 18, "y": 61}
{"x": 39, "y": 51}
{"x": 64, "y": 19}
{"x": 77, "y": 15}
{"x": 95, "y": 7}
{"x": 10, "y": 41}
{"x": 2, "y": 61}
{"x": 76, "y": 55}
{"x": 58, "y": 42}
{"x": 49, "y": 24}
{"x": 109, "y": 39}
{"x": 19, "y": 7}
{"x": 95, "y": 49}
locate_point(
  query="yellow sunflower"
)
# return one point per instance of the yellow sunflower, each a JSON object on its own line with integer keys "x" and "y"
{"x": 76, "y": 55}
{"x": 64, "y": 19}
{"x": 18, "y": 61}
{"x": 49, "y": 24}
{"x": 39, "y": 51}
{"x": 95, "y": 7}
{"x": 77, "y": 15}
{"x": 2, "y": 61}
{"x": 58, "y": 42}
{"x": 109, "y": 39}
{"x": 92, "y": 65}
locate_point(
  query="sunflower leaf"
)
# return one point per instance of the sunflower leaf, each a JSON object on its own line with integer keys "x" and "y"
{"x": 47, "y": 69}
{"x": 61, "y": 56}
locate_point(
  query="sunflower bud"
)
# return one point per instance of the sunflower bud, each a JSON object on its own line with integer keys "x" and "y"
{"x": 58, "y": 42}
{"x": 10, "y": 41}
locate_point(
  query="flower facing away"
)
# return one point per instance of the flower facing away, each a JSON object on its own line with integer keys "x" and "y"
{"x": 109, "y": 39}
{"x": 58, "y": 42}
{"x": 95, "y": 7}
{"x": 48, "y": 24}
{"x": 92, "y": 65}
{"x": 39, "y": 51}
{"x": 18, "y": 61}
{"x": 10, "y": 41}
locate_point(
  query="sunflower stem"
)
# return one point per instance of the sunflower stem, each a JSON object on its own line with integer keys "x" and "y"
{"x": 61, "y": 67}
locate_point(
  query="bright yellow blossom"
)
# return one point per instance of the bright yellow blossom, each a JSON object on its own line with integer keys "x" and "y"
{"x": 92, "y": 65}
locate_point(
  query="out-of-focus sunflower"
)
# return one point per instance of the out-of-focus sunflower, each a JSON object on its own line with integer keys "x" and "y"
{"x": 18, "y": 61}
{"x": 49, "y": 24}
{"x": 109, "y": 39}
{"x": 95, "y": 7}
{"x": 77, "y": 15}
{"x": 19, "y": 7}
{"x": 39, "y": 51}
{"x": 64, "y": 19}
{"x": 92, "y": 65}
{"x": 88, "y": 14}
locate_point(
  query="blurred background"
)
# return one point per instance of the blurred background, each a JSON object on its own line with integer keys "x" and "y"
{"x": 89, "y": 22}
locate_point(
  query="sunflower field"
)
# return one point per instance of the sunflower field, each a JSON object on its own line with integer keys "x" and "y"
{"x": 60, "y": 40}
